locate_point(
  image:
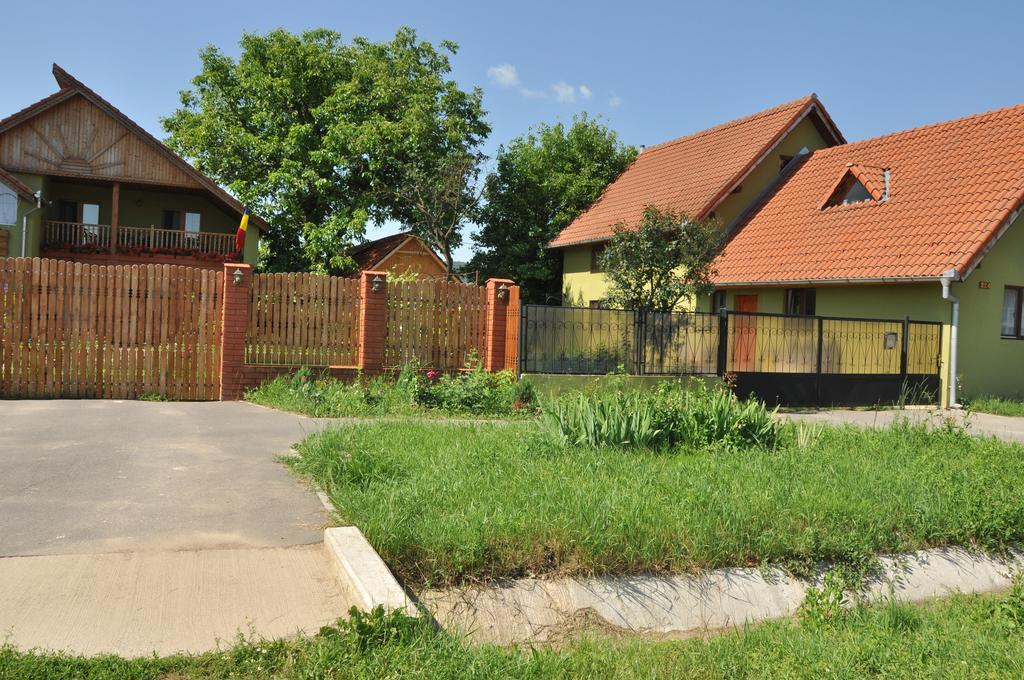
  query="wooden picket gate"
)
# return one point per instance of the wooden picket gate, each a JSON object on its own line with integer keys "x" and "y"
{"x": 69, "y": 329}
{"x": 303, "y": 320}
{"x": 438, "y": 324}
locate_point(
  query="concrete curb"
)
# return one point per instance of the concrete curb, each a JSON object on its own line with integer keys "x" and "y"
{"x": 363, "y": 574}
{"x": 540, "y": 610}
{"x": 360, "y": 571}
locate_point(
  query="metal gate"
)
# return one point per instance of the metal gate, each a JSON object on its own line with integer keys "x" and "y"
{"x": 782, "y": 359}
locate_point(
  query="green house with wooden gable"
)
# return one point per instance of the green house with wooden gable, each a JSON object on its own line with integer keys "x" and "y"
{"x": 81, "y": 181}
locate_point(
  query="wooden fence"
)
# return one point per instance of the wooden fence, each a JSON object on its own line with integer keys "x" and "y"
{"x": 76, "y": 330}
{"x": 70, "y": 329}
{"x": 438, "y": 324}
{"x": 303, "y": 319}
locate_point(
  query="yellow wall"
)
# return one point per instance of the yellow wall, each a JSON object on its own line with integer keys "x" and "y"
{"x": 580, "y": 285}
{"x": 413, "y": 258}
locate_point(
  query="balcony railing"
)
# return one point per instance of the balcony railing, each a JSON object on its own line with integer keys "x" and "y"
{"x": 75, "y": 234}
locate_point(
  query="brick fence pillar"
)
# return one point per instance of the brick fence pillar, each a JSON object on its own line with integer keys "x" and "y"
{"x": 498, "y": 294}
{"x": 234, "y": 318}
{"x": 373, "y": 310}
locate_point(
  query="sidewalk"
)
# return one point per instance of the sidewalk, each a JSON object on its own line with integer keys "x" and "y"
{"x": 981, "y": 424}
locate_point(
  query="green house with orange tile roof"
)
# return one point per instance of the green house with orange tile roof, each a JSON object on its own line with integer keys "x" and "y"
{"x": 923, "y": 223}
{"x": 717, "y": 172}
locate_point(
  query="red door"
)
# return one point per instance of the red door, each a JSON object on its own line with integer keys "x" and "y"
{"x": 744, "y": 348}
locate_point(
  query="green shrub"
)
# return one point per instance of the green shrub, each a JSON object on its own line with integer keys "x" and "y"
{"x": 614, "y": 419}
{"x": 412, "y": 391}
{"x": 668, "y": 415}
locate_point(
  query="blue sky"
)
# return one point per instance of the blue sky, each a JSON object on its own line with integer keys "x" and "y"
{"x": 652, "y": 70}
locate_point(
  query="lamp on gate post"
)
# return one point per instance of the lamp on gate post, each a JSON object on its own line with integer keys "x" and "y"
{"x": 503, "y": 291}
{"x": 236, "y": 278}
{"x": 376, "y": 282}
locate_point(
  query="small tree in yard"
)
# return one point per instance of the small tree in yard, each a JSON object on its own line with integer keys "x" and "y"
{"x": 438, "y": 200}
{"x": 668, "y": 258}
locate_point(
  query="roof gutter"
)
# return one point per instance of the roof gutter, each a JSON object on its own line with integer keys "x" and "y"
{"x": 954, "y": 325}
{"x": 811, "y": 282}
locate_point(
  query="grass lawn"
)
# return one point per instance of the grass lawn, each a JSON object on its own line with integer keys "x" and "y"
{"x": 965, "y": 637}
{"x": 445, "y": 503}
{"x": 997, "y": 406}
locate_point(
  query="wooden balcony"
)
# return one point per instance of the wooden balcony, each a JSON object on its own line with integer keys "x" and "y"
{"x": 96, "y": 238}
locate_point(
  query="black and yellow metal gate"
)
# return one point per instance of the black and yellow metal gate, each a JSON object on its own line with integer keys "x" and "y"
{"x": 782, "y": 359}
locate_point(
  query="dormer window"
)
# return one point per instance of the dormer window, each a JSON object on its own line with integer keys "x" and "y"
{"x": 857, "y": 193}
{"x": 859, "y": 184}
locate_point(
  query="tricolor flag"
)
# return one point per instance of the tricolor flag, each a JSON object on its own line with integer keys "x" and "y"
{"x": 240, "y": 234}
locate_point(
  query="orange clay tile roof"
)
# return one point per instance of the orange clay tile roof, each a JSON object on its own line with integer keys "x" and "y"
{"x": 952, "y": 188}
{"x": 691, "y": 174}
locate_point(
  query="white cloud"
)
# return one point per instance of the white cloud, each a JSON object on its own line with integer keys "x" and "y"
{"x": 564, "y": 92}
{"x": 507, "y": 76}
{"x": 504, "y": 75}
{"x": 615, "y": 101}
{"x": 532, "y": 94}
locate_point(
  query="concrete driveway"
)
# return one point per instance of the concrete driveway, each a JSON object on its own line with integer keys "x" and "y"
{"x": 110, "y": 476}
{"x": 133, "y": 527}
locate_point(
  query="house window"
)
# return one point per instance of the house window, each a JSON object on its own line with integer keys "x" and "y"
{"x": 8, "y": 206}
{"x": 596, "y": 252}
{"x": 857, "y": 194}
{"x": 783, "y": 162}
{"x": 1013, "y": 308}
{"x": 90, "y": 213}
{"x": 192, "y": 222}
{"x": 800, "y": 301}
{"x": 598, "y": 304}
{"x": 171, "y": 219}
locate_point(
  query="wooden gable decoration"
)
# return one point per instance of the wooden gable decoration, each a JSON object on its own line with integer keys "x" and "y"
{"x": 75, "y": 138}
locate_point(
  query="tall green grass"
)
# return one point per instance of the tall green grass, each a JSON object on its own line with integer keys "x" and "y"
{"x": 446, "y": 503}
{"x": 412, "y": 392}
{"x": 666, "y": 416}
{"x": 999, "y": 406}
{"x": 964, "y": 637}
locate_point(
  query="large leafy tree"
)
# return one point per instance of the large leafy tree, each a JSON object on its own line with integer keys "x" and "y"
{"x": 540, "y": 183}
{"x": 667, "y": 258}
{"x": 313, "y": 132}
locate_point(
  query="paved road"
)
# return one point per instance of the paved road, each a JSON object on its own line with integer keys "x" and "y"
{"x": 131, "y": 527}
{"x": 984, "y": 424}
{"x": 108, "y": 476}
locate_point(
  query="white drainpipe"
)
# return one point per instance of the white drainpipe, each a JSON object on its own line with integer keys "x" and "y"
{"x": 24, "y": 221}
{"x": 948, "y": 278}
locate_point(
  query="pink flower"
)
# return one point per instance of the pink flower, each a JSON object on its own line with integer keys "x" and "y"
{"x": 432, "y": 375}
